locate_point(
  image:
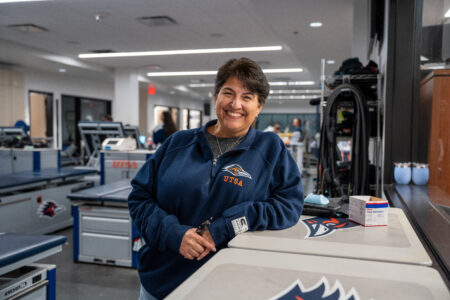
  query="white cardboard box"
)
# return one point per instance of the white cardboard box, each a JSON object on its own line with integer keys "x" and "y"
{"x": 368, "y": 210}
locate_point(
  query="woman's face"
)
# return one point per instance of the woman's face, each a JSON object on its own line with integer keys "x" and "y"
{"x": 236, "y": 108}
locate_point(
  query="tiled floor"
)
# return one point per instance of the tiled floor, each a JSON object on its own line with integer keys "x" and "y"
{"x": 85, "y": 281}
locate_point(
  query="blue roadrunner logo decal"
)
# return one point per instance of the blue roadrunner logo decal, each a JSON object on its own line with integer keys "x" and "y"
{"x": 318, "y": 226}
{"x": 236, "y": 170}
{"x": 321, "y": 290}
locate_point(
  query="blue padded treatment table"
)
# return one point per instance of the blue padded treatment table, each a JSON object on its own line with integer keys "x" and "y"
{"x": 117, "y": 191}
{"x": 17, "y": 250}
{"x": 29, "y": 177}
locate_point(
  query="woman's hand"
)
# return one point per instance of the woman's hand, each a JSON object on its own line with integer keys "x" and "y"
{"x": 196, "y": 246}
{"x": 209, "y": 238}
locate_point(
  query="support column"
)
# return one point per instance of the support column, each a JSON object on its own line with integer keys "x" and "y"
{"x": 213, "y": 109}
{"x": 126, "y": 96}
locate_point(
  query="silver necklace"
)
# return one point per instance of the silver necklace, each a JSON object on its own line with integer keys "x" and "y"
{"x": 229, "y": 148}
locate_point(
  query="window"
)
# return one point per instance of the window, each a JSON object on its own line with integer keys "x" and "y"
{"x": 191, "y": 118}
{"x": 159, "y": 109}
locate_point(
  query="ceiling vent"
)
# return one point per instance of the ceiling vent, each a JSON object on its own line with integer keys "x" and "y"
{"x": 102, "y": 51}
{"x": 7, "y": 64}
{"x": 157, "y": 21}
{"x": 28, "y": 28}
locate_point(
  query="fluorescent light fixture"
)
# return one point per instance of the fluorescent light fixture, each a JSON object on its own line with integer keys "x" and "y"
{"x": 62, "y": 70}
{"x": 288, "y": 83}
{"x": 200, "y": 85}
{"x": 292, "y": 97}
{"x": 197, "y": 73}
{"x": 331, "y": 62}
{"x": 447, "y": 14}
{"x": 423, "y": 58}
{"x": 181, "y": 88}
{"x": 14, "y": 1}
{"x": 315, "y": 24}
{"x": 180, "y": 52}
{"x": 187, "y": 73}
{"x": 291, "y": 70}
{"x": 294, "y": 91}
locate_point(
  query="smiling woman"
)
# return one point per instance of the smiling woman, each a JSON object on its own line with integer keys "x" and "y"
{"x": 240, "y": 92}
{"x": 204, "y": 186}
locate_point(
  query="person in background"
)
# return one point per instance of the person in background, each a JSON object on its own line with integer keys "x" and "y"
{"x": 275, "y": 128}
{"x": 106, "y": 118}
{"x": 297, "y": 131}
{"x": 168, "y": 128}
{"x": 296, "y": 143}
{"x": 204, "y": 186}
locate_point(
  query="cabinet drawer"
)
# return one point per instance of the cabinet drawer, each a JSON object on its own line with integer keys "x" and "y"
{"x": 105, "y": 246}
{"x": 105, "y": 224}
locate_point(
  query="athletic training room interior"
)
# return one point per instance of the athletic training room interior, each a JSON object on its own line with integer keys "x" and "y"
{"x": 359, "y": 97}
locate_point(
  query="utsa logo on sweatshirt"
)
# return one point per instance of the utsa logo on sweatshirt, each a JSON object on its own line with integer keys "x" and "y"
{"x": 237, "y": 171}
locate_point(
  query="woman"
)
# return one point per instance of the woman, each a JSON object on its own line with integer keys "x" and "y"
{"x": 225, "y": 173}
{"x": 166, "y": 130}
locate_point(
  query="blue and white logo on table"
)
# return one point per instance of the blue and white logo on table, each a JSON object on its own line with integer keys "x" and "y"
{"x": 50, "y": 209}
{"x": 318, "y": 226}
{"x": 321, "y": 290}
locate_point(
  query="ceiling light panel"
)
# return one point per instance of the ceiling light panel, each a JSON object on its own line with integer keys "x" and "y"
{"x": 292, "y": 97}
{"x": 200, "y": 85}
{"x": 316, "y": 24}
{"x": 181, "y": 52}
{"x": 289, "y": 83}
{"x": 294, "y": 91}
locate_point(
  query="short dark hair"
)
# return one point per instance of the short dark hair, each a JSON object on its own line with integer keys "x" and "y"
{"x": 247, "y": 71}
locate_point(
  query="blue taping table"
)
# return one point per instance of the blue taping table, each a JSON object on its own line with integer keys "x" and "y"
{"x": 117, "y": 191}
{"x": 25, "y": 178}
{"x": 17, "y": 250}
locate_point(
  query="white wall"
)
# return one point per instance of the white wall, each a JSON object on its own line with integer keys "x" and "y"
{"x": 65, "y": 84}
{"x": 167, "y": 99}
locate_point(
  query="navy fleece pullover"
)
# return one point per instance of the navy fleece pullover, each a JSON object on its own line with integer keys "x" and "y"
{"x": 256, "y": 186}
